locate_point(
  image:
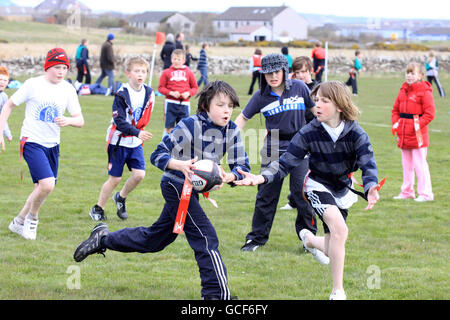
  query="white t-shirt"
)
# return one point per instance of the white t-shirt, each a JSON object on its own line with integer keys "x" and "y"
{"x": 137, "y": 99}
{"x": 44, "y": 102}
{"x": 334, "y": 132}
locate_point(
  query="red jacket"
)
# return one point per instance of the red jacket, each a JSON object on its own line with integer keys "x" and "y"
{"x": 181, "y": 80}
{"x": 414, "y": 99}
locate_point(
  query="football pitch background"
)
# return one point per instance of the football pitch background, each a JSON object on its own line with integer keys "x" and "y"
{"x": 398, "y": 250}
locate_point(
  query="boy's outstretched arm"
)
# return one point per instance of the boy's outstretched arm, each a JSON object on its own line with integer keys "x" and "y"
{"x": 6, "y": 111}
{"x": 249, "y": 179}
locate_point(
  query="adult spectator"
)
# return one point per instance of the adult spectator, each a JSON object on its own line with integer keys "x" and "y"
{"x": 107, "y": 63}
{"x": 179, "y": 41}
{"x": 166, "y": 51}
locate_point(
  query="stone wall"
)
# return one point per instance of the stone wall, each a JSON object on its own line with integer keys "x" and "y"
{"x": 29, "y": 66}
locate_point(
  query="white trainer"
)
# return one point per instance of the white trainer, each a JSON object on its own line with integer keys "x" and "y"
{"x": 421, "y": 199}
{"x": 15, "y": 227}
{"x": 338, "y": 295}
{"x": 316, "y": 253}
{"x": 30, "y": 228}
{"x": 286, "y": 207}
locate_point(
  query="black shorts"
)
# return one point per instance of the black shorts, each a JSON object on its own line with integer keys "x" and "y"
{"x": 320, "y": 201}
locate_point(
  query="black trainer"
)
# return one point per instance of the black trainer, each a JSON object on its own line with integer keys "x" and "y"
{"x": 92, "y": 244}
{"x": 121, "y": 208}
{"x": 250, "y": 245}
{"x": 97, "y": 213}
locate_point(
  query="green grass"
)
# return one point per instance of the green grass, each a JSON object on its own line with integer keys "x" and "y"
{"x": 408, "y": 242}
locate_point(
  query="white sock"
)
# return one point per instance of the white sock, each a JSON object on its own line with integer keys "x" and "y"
{"x": 19, "y": 220}
{"x": 32, "y": 216}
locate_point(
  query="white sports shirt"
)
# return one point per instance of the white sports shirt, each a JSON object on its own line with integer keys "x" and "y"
{"x": 44, "y": 102}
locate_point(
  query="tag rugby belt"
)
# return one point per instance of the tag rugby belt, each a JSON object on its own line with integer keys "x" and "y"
{"x": 408, "y": 115}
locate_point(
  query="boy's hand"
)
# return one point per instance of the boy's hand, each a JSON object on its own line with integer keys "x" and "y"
{"x": 372, "y": 197}
{"x": 175, "y": 94}
{"x": 62, "y": 121}
{"x": 144, "y": 135}
{"x": 186, "y": 167}
{"x": 249, "y": 179}
{"x": 185, "y": 95}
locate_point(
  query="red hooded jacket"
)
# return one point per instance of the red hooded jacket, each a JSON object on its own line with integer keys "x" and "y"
{"x": 178, "y": 79}
{"x": 414, "y": 99}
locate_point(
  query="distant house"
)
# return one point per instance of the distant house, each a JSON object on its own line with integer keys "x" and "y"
{"x": 433, "y": 34}
{"x": 15, "y": 13}
{"x": 49, "y": 7}
{"x": 282, "y": 22}
{"x": 151, "y": 20}
{"x": 251, "y": 33}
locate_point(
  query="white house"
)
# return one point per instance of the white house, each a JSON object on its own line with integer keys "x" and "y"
{"x": 251, "y": 33}
{"x": 151, "y": 20}
{"x": 282, "y": 22}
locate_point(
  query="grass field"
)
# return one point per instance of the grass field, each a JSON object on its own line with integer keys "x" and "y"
{"x": 399, "y": 250}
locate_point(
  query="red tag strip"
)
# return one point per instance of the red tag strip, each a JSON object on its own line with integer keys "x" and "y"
{"x": 183, "y": 207}
{"x": 23, "y": 140}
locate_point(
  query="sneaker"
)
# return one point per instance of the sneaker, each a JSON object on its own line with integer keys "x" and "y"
{"x": 401, "y": 197}
{"x": 16, "y": 227}
{"x": 92, "y": 244}
{"x": 338, "y": 295}
{"x": 108, "y": 92}
{"x": 421, "y": 199}
{"x": 250, "y": 245}
{"x": 121, "y": 208}
{"x": 97, "y": 213}
{"x": 287, "y": 207}
{"x": 316, "y": 253}
{"x": 30, "y": 228}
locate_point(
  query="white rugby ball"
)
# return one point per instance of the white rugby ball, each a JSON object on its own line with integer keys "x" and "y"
{"x": 207, "y": 176}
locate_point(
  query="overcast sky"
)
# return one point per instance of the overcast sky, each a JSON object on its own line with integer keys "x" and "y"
{"x": 406, "y": 9}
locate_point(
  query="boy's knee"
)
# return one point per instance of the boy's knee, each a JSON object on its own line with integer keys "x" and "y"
{"x": 138, "y": 175}
{"x": 46, "y": 185}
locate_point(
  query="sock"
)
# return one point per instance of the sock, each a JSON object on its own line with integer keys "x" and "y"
{"x": 31, "y": 216}
{"x": 120, "y": 198}
{"x": 19, "y": 220}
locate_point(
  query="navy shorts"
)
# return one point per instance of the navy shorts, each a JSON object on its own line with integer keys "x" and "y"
{"x": 320, "y": 201}
{"x": 42, "y": 162}
{"x": 174, "y": 113}
{"x": 118, "y": 156}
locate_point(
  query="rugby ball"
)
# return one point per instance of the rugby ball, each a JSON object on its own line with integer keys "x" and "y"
{"x": 207, "y": 176}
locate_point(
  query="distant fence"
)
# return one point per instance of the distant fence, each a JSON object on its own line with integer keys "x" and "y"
{"x": 27, "y": 65}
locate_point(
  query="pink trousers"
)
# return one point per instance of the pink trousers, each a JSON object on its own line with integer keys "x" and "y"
{"x": 416, "y": 159}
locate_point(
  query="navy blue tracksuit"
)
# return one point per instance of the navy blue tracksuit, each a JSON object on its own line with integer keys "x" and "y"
{"x": 193, "y": 136}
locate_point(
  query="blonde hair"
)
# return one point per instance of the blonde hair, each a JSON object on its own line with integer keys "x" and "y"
{"x": 136, "y": 61}
{"x": 340, "y": 95}
{"x": 414, "y": 67}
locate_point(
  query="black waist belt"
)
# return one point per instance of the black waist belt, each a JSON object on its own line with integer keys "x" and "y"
{"x": 408, "y": 115}
{"x": 283, "y": 136}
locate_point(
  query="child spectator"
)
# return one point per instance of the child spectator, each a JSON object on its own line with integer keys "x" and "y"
{"x": 47, "y": 97}
{"x": 357, "y": 65}
{"x": 282, "y": 101}
{"x": 285, "y": 52}
{"x": 202, "y": 65}
{"x": 432, "y": 67}
{"x": 255, "y": 68}
{"x": 82, "y": 57}
{"x": 4, "y": 80}
{"x": 327, "y": 138}
{"x": 175, "y": 155}
{"x": 412, "y": 112}
{"x": 178, "y": 84}
{"x": 302, "y": 69}
{"x": 189, "y": 56}
{"x": 131, "y": 109}
{"x": 318, "y": 55}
